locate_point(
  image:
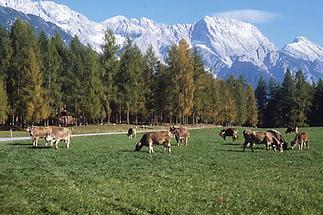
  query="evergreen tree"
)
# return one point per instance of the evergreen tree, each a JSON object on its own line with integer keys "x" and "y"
{"x": 94, "y": 93}
{"x": 261, "y": 96}
{"x": 24, "y": 79}
{"x": 5, "y": 52}
{"x": 110, "y": 65}
{"x": 252, "y": 112}
{"x": 317, "y": 107}
{"x": 149, "y": 79}
{"x": 129, "y": 80}
{"x": 4, "y": 103}
{"x": 199, "y": 76}
{"x": 52, "y": 66}
{"x": 181, "y": 66}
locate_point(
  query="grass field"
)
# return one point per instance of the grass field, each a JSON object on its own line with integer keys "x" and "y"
{"x": 102, "y": 175}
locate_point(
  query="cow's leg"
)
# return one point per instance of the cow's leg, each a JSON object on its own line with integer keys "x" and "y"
{"x": 151, "y": 149}
{"x": 177, "y": 140}
{"x": 245, "y": 145}
{"x": 56, "y": 144}
{"x": 36, "y": 141}
{"x": 68, "y": 142}
{"x": 186, "y": 140}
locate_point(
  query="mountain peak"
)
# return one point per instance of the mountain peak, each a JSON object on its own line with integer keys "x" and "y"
{"x": 305, "y": 49}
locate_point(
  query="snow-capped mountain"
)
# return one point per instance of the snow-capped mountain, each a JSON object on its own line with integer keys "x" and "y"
{"x": 227, "y": 46}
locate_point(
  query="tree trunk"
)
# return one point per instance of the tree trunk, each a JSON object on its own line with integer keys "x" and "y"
{"x": 128, "y": 116}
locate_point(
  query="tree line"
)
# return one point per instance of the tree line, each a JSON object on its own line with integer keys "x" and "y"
{"x": 294, "y": 102}
{"x": 39, "y": 75}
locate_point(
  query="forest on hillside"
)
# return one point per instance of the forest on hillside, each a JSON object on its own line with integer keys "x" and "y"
{"x": 40, "y": 75}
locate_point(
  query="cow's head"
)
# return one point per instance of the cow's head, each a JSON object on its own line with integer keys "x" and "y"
{"x": 138, "y": 146}
{"x": 48, "y": 137}
{"x": 293, "y": 143}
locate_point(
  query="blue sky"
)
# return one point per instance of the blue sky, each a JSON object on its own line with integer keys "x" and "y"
{"x": 279, "y": 20}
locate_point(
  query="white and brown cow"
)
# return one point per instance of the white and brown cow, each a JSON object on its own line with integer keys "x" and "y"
{"x": 58, "y": 134}
{"x": 37, "y": 132}
{"x": 131, "y": 133}
{"x": 155, "y": 138}
{"x": 291, "y": 129}
{"x": 301, "y": 139}
{"x": 181, "y": 134}
{"x": 261, "y": 137}
{"x": 229, "y": 132}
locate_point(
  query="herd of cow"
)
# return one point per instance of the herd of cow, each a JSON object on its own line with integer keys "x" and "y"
{"x": 271, "y": 138}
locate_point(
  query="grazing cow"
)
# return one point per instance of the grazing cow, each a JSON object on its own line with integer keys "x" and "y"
{"x": 301, "y": 139}
{"x": 181, "y": 134}
{"x": 261, "y": 137}
{"x": 37, "y": 132}
{"x": 155, "y": 138}
{"x": 229, "y": 132}
{"x": 58, "y": 134}
{"x": 279, "y": 137}
{"x": 291, "y": 129}
{"x": 132, "y": 133}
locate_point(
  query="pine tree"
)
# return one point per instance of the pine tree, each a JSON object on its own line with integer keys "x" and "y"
{"x": 129, "y": 80}
{"x": 181, "y": 65}
{"x": 94, "y": 87}
{"x": 149, "y": 79}
{"x": 5, "y": 52}
{"x": 261, "y": 96}
{"x": 52, "y": 66}
{"x": 110, "y": 64}
{"x": 252, "y": 112}
{"x": 199, "y": 76}
{"x": 24, "y": 79}
{"x": 317, "y": 107}
{"x": 4, "y": 103}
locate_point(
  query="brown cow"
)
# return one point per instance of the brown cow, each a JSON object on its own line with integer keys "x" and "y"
{"x": 301, "y": 139}
{"x": 181, "y": 134}
{"x": 37, "y": 132}
{"x": 155, "y": 138}
{"x": 131, "y": 133}
{"x": 279, "y": 137}
{"x": 261, "y": 137}
{"x": 291, "y": 129}
{"x": 229, "y": 132}
{"x": 58, "y": 134}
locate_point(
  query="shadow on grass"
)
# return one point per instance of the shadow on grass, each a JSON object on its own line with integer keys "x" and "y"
{"x": 18, "y": 144}
{"x": 232, "y": 144}
{"x": 40, "y": 147}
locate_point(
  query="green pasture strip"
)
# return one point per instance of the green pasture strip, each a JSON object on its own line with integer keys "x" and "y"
{"x": 103, "y": 175}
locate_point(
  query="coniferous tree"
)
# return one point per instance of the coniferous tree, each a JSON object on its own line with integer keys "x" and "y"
{"x": 110, "y": 65}
{"x": 4, "y": 103}
{"x": 52, "y": 66}
{"x": 5, "y": 52}
{"x": 261, "y": 96}
{"x": 317, "y": 107}
{"x": 199, "y": 76}
{"x": 252, "y": 112}
{"x": 94, "y": 93}
{"x": 129, "y": 80}
{"x": 149, "y": 79}
{"x": 24, "y": 79}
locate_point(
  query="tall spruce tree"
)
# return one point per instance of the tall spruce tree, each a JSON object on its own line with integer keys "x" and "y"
{"x": 149, "y": 79}
{"x": 4, "y": 103}
{"x": 110, "y": 65}
{"x": 129, "y": 80}
{"x": 252, "y": 112}
{"x": 94, "y": 87}
{"x": 261, "y": 96}
{"x": 52, "y": 66}
{"x": 317, "y": 107}
{"x": 5, "y": 52}
{"x": 24, "y": 79}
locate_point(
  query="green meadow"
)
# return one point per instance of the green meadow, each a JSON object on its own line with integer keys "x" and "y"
{"x": 103, "y": 175}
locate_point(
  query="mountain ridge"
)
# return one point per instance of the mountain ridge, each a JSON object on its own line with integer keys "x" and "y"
{"x": 227, "y": 46}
